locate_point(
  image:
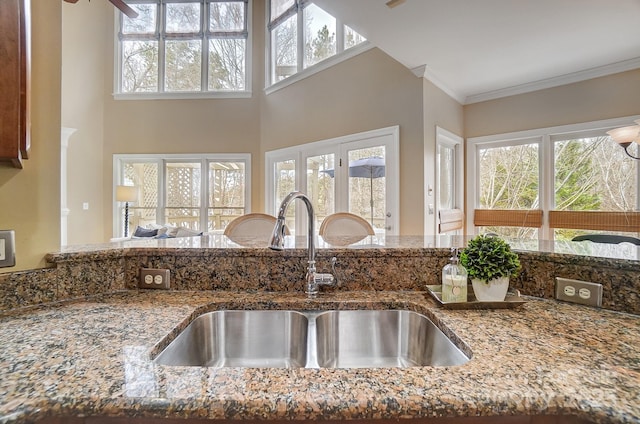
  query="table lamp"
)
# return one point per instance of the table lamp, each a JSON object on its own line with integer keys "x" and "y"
{"x": 126, "y": 194}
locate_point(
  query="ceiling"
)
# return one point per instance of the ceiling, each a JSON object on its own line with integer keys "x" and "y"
{"x": 479, "y": 50}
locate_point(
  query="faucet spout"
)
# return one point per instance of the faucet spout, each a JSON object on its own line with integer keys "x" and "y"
{"x": 313, "y": 279}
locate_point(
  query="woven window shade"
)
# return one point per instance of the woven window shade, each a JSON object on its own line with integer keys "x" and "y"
{"x": 450, "y": 219}
{"x": 507, "y": 218}
{"x": 595, "y": 220}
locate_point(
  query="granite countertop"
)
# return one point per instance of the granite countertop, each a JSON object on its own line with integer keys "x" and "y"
{"x": 92, "y": 358}
{"x": 625, "y": 253}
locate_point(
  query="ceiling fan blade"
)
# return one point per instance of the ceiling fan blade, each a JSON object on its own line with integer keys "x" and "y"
{"x": 124, "y": 8}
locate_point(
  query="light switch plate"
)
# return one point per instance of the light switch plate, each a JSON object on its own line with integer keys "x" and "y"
{"x": 7, "y": 248}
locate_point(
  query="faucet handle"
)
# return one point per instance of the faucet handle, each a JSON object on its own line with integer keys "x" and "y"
{"x": 333, "y": 270}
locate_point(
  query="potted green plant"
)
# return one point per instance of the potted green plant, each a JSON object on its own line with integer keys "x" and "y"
{"x": 490, "y": 263}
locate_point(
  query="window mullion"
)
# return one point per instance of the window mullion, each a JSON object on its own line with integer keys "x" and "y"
{"x": 161, "y": 47}
{"x": 547, "y": 185}
{"x": 162, "y": 192}
{"x": 204, "y": 30}
{"x": 300, "y": 37}
{"x": 339, "y": 36}
{"x": 204, "y": 195}
{"x": 638, "y": 183}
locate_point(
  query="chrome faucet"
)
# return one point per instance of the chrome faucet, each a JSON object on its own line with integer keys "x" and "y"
{"x": 313, "y": 279}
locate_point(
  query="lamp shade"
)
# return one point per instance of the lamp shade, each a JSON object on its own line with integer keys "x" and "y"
{"x": 626, "y": 134}
{"x": 126, "y": 194}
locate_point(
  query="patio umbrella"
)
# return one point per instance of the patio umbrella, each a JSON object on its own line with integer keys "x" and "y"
{"x": 371, "y": 167}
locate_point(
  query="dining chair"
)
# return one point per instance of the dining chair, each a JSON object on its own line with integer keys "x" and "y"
{"x": 252, "y": 228}
{"x": 607, "y": 238}
{"x": 343, "y": 228}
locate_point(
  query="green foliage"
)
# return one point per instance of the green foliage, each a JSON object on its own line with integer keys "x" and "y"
{"x": 489, "y": 257}
{"x": 576, "y": 176}
{"x": 323, "y": 45}
{"x": 509, "y": 177}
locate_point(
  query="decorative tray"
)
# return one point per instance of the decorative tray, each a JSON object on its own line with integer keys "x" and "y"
{"x": 512, "y": 300}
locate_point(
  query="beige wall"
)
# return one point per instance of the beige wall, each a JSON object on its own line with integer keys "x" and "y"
{"x": 30, "y": 197}
{"x": 367, "y": 92}
{"x": 613, "y": 96}
{"x": 85, "y": 25}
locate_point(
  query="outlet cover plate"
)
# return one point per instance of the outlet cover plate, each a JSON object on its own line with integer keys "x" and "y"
{"x": 576, "y": 291}
{"x": 154, "y": 279}
{"x": 7, "y": 248}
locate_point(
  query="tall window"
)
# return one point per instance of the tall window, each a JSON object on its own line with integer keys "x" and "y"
{"x": 198, "y": 192}
{"x": 554, "y": 183}
{"x": 509, "y": 181}
{"x": 589, "y": 175}
{"x": 302, "y": 35}
{"x": 173, "y": 46}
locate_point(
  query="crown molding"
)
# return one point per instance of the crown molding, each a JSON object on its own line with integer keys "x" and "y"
{"x": 587, "y": 74}
{"x": 425, "y": 72}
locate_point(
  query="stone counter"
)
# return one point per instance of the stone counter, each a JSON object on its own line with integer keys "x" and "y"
{"x": 92, "y": 358}
{"x": 213, "y": 262}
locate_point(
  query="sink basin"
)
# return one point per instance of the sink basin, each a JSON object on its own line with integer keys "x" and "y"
{"x": 274, "y": 339}
{"x": 387, "y": 338}
{"x": 311, "y": 339}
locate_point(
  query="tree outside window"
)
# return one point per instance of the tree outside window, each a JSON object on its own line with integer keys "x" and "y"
{"x": 589, "y": 173}
{"x": 302, "y": 35}
{"x": 164, "y": 49}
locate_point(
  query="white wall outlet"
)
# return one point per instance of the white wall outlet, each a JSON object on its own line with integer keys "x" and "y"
{"x": 154, "y": 278}
{"x": 7, "y": 248}
{"x": 576, "y": 291}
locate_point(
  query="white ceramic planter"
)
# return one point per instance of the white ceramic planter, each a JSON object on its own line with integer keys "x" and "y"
{"x": 494, "y": 290}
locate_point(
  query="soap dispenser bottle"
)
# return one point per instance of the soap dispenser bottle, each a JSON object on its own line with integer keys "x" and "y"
{"x": 454, "y": 280}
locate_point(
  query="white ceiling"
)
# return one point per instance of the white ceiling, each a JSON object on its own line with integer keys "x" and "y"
{"x": 482, "y": 49}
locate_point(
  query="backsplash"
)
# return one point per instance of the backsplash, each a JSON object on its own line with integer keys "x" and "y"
{"x": 94, "y": 270}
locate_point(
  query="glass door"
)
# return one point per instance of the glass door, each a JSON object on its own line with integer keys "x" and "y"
{"x": 449, "y": 178}
{"x": 356, "y": 173}
{"x": 445, "y": 165}
{"x": 372, "y": 181}
{"x": 367, "y": 185}
{"x": 321, "y": 185}
{"x": 285, "y": 182}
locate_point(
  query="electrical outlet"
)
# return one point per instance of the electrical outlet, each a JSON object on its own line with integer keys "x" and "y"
{"x": 154, "y": 278}
{"x": 576, "y": 291}
{"x": 7, "y": 248}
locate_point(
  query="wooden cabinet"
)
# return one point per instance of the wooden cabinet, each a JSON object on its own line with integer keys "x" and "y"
{"x": 15, "y": 80}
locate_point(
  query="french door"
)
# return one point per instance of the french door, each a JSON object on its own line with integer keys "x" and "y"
{"x": 356, "y": 173}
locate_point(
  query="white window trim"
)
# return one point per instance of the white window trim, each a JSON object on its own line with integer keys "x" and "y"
{"x": 161, "y": 160}
{"x": 337, "y": 145}
{"x": 545, "y": 137}
{"x": 314, "y": 69}
{"x": 240, "y": 94}
{"x": 340, "y": 56}
{"x": 453, "y": 141}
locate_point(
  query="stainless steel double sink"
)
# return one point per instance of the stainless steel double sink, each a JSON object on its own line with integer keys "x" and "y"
{"x": 311, "y": 339}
